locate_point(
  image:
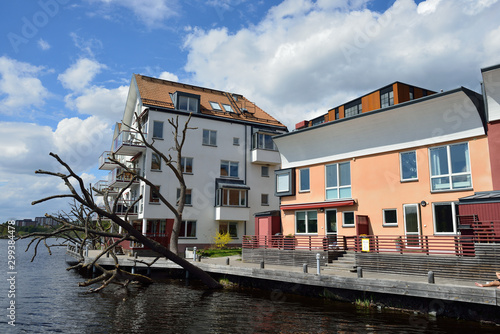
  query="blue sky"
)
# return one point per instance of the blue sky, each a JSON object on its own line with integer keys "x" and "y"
{"x": 65, "y": 66}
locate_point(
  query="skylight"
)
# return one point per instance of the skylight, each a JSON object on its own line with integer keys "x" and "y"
{"x": 227, "y": 107}
{"x": 215, "y": 106}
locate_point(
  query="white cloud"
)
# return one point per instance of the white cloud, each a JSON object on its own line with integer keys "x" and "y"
{"x": 78, "y": 142}
{"x": 80, "y": 74}
{"x": 43, "y": 44}
{"x": 20, "y": 86}
{"x": 152, "y": 13}
{"x": 169, "y": 76}
{"x": 307, "y": 56}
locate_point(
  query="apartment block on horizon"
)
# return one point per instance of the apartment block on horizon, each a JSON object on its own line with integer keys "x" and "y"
{"x": 401, "y": 169}
{"x": 228, "y": 161}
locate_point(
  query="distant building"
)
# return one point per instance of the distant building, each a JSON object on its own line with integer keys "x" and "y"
{"x": 45, "y": 221}
{"x": 25, "y": 222}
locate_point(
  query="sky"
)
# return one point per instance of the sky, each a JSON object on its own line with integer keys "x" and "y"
{"x": 65, "y": 66}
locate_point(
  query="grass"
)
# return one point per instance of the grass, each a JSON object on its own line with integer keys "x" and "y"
{"x": 213, "y": 252}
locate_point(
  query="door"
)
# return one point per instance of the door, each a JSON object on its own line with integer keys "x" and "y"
{"x": 331, "y": 228}
{"x": 412, "y": 224}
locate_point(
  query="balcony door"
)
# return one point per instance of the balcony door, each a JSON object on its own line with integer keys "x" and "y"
{"x": 412, "y": 224}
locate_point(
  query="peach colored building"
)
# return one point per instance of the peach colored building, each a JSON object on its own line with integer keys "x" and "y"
{"x": 399, "y": 170}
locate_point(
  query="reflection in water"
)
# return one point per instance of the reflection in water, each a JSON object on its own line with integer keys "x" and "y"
{"x": 48, "y": 300}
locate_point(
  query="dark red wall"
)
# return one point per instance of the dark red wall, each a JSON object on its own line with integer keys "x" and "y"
{"x": 494, "y": 145}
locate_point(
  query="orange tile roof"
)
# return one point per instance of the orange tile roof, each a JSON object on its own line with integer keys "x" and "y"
{"x": 156, "y": 92}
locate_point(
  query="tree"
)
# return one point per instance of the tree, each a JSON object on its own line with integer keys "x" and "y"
{"x": 86, "y": 221}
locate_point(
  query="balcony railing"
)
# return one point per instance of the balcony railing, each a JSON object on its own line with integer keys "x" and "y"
{"x": 266, "y": 157}
{"x": 128, "y": 143}
{"x": 161, "y": 238}
{"x": 119, "y": 177}
{"x": 126, "y": 207}
{"x": 105, "y": 163}
{"x": 103, "y": 185}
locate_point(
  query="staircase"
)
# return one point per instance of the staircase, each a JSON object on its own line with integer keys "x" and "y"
{"x": 341, "y": 261}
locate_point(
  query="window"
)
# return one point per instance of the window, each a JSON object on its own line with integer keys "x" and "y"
{"x": 155, "y": 162}
{"x": 390, "y": 217}
{"x": 338, "y": 180}
{"x": 304, "y": 179}
{"x": 353, "y": 108}
{"x": 331, "y": 221}
{"x": 408, "y": 161}
{"x": 445, "y": 217}
{"x": 153, "y": 196}
{"x": 229, "y": 227}
{"x": 412, "y": 224}
{"x": 412, "y": 93}
{"x": 264, "y": 199}
{"x": 227, "y": 107}
{"x": 188, "y": 200}
{"x": 215, "y": 106}
{"x": 285, "y": 182}
{"x": 264, "y": 171}
{"x": 386, "y": 97}
{"x": 158, "y": 130}
{"x": 188, "y": 103}
{"x": 337, "y": 115}
{"x": 188, "y": 229}
{"x": 187, "y": 165}
{"x": 209, "y": 137}
{"x": 229, "y": 168}
{"x": 306, "y": 222}
{"x": 263, "y": 141}
{"x": 318, "y": 121}
{"x": 231, "y": 197}
{"x": 236, "y": 141}
{"x": 348, "y": 219}
{"x": 450, "y": 167}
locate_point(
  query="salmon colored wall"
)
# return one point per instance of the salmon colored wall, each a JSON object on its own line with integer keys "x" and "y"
{"x": 376, "y": 185}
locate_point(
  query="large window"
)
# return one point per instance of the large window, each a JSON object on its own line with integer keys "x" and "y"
{"x": 353, "y": 108}
{"x": 331, "y": 221}
{"x": 445, "y": 218}
{"x": 187, "y": 165}
{"x": 229, "y": 168}
{"x": 450, "y": 167}
{"x": 229, "y": 227}
{"x": 153, "y": 196}
{"x": 304, "y": 179}
{"x": 209, "y": 137}
{"x": 263, "y": 141}
{"x": 348, "y": 219}
{"x": 386, "y": 97}
{"x": 306, "y": 222}
{"x": 231, "y": 197}
{"x": 338, "y": 180}
{"x": 187, "y": 103}
{"x": 157, "y": 130}
{"x": 188, "y": 229}
{"x": 155, "y": 162}
{"x": 408, "y": 161}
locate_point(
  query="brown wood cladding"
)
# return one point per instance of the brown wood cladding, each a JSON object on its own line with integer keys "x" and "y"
{"x": 371, "y": 101}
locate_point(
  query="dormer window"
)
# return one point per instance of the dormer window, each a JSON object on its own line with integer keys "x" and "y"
{"x": 186, "y": 102}
{"x": 386, "y": 97}
{"x": 353, "y": 108}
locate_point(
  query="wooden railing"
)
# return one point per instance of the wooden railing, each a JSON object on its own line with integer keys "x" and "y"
{"x": 459, "y": 245}
{"x": 161, "y": 238}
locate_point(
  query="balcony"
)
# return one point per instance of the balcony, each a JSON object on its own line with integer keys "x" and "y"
{"x": 119, "y": 178}
{"x": 103, "y": 186}
{"x": 128, "y": 143}
{"x": 105, "y": 163}
{"x": 124, "y": 206}
{"x": 233, "y": 213}
{"x": 161, "y": 238}
{"x": 265, "y": 157}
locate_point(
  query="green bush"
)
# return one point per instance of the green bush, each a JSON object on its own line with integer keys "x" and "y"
{"x": 221, "y": 240}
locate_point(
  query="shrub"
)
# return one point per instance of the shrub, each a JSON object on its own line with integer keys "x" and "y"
{"x": 221, "y": 240}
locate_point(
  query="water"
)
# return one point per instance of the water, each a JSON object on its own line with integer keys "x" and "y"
{"x": 48, "y": 300}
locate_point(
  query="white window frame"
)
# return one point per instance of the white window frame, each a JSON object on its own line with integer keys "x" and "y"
{"x": 227, "y": 108}
{"x": 401, "y": 166}
{"x": 189, "y": 103}
{"x": 353, "y": 219}
{"x": 454, "y": 216}
{"x": 189, "y": 197}
{"x": 308, "y": 180}
{"x": 450, "y": 174}
{"x": 242, "y": 197}
{"x": 211, "y": 137}
{"x": 384, "y": 223}
{"x": 409, "y": 242}
{"x": 236, "y": 141}
{"x": 230, "y": 164}
{"x": 183, "y": 165}
{"x": 215, "y": 106}
{"x": 307, "y": 223}
{"x": 186, "y": 222}
{"x": 338, "y": 187}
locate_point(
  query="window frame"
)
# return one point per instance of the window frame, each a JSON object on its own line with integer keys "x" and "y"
{"x": 306, "y": 220}
{"x": 449, "y": 166}
{"x": 236, "y": 141}
{"x": 261, "y": 139}
{"x": 189, "y": 197}
{"x": 211, "y": 137}
{"x": 224, "y": 197}
{"x": 228, "y": 225}
{"x": 155, "y": 156}
{"x": 289, "y": 173}
{"x": 230, "y": 166}
{"x": 184, "y": 165}
{"x": 338, "y": 187}
{"x": 227, "y": 107}
{"x": 262, "y": 169}
{"x": 264, "y": 199}
{"x": 154, "y": 198}
{"x": 301, "y": 176}
{"x": 454, "y": 213}
{"x": 402, "y": 179}
{"x": 327, "y": 232}
{"x": 344, "y": 219}
{"x": 155, "y": 129}
{"x": 215, "y": 105}
{"x": 184, "y": 230}
{"x": 384, "y": 222}
{"x": 387, "y": 97}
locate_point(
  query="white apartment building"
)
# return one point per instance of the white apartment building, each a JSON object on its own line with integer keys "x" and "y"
{"x": 228, "y": 161}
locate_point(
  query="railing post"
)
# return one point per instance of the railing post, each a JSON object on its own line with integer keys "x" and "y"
{"x": 427, "y": 244}
{"x": 318, "y": 265}
{"x": 310, "y": 246}
{"x": 376, "y": 244}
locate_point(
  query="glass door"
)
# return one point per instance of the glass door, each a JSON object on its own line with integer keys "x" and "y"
{"x": 412, "y": 224}
{"x": 331, "y": 228}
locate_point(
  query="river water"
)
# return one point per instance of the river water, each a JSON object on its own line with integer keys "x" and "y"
{"x": 48, "y": 300}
